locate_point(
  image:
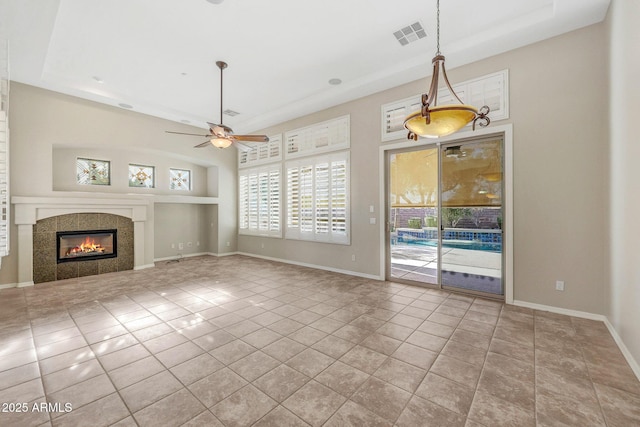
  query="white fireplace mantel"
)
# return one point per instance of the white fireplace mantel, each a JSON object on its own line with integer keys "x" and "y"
{"x": 28, "y": 210}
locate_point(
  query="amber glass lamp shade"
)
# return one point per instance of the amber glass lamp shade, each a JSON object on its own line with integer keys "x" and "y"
{"x": 444, "y": 120}
{"x": 221, "y": 142}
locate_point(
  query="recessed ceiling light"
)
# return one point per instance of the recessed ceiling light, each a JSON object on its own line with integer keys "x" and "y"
{"x": 185, "y": 121}
{"x": 183, "y": 74}
{"x": 335, "y": 82}
{"x": 123, "y": 105}
{"x": 98, "y": 79}
{"x": 215, "y": 1}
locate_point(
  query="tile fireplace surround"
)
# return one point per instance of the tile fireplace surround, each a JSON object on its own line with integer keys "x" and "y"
{"x": 31, "y": 211}
{"x": 45, "y": 266}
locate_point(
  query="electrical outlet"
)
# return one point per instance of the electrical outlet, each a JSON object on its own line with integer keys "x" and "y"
{"x": 559, "y": 285}
{"x": 262, "y": 245}
{"x": 180, "y": 246}
{"x": 372, "y": 220}
{"x": 173, "y": 246}
{"x": 198, "y": 243}
{"x": 228, "y": 244}
{"x": 353, "y": 257}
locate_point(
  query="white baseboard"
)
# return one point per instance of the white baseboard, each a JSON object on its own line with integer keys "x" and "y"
{"x": 9, "y": 285}
{"x": 585, "y": 315}
{"x": 143, "y": 267}
{"x": 174, "y": 257}
{"x": 25, "y": 284}
{"x": 558, "y": 310}
{"x": 319, "y": 267}
{"x": 623, "y": 348}
{"x": 223, "y": 254}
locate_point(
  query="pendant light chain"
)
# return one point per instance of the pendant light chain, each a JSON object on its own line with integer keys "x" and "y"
{"x": 438, "y": 27}
{"x": 433, "y": 120}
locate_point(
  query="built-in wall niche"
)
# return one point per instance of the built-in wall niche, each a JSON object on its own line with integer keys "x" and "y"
{"x": 93, "y": 227}
{"x": 88, "y": 169}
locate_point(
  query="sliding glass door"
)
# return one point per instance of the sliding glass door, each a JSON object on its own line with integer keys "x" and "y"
{"x": 445, "y": 216}
{"x": 413, "y": 215}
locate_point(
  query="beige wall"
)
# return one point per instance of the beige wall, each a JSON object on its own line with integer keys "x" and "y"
{"x": 624, "y": 195}
{"x": 42, "y": 122}
{"x": 559, "y": 188}
{"x": 188, "y": 224}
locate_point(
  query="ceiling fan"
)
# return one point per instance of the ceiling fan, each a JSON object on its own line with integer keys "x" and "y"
{"x": 222, "y": 136}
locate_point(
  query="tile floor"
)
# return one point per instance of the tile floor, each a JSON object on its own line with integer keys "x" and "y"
{"x": 237, "y": 341}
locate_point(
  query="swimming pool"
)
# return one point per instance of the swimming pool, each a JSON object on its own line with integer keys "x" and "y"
{"x": 454, "y": 244}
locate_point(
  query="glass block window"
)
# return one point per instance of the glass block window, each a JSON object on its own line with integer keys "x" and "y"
{"x": 180, "y": 179}
{"x": 93, "y": 172}
{"x": 141, "y": 176}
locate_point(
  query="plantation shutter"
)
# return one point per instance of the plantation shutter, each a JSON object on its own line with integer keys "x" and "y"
{"x": 318, "y": 199}
{"x": 259, "y": 201}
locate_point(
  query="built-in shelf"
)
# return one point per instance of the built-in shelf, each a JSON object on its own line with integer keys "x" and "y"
{"x": 73, "y": 197}
{"x": 194, "y": 200}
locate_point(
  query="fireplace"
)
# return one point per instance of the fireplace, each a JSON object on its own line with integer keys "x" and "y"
{"x": 86, "y": 245}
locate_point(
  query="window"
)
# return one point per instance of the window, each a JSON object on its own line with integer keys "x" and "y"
{"x": 141, "y": 176}
{"x": 180, "y": 179}
{"x": 318, "y": 199}
{"x": 259, "y": 201}
{"x": 261, "y": 153}
{"x": 92, "y": 172}
{"x": 331, "y": 135}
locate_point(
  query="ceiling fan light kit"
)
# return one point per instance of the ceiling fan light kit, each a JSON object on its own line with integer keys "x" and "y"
{"x": 433, "y": 120}
{"x": 222, "y": 136}
{"x": 221, "y": 142}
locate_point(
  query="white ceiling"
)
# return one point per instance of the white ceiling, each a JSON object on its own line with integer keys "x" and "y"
{"x": 159, "y": 55}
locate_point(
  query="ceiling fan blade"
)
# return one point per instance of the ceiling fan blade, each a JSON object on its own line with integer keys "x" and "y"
{"x": 204, "y": 144}
{"x": 243, "y": 147}
{"x": 252, "y": 138}
{"x": 183, "y": 133}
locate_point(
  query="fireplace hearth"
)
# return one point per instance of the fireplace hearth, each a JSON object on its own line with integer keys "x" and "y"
{"x": 86, "y": 245}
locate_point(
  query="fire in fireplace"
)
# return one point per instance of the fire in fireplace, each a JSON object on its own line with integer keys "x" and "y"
{"x": 86, "y": 245}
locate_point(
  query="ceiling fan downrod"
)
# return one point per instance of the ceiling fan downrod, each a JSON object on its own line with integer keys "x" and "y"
{"x": 222, "y": 65}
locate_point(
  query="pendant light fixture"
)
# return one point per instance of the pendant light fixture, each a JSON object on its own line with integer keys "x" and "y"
{"x": 433, "y": 120}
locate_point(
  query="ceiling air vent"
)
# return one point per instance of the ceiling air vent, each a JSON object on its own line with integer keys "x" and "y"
{"x": 410, "y": 33}
{"x": 230, "y": 113}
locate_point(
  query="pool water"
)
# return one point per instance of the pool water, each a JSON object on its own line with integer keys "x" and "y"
{"x": 455, "y": 244}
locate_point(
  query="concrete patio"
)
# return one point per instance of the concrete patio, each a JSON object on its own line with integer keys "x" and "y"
{"x": 463, "y": 268}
